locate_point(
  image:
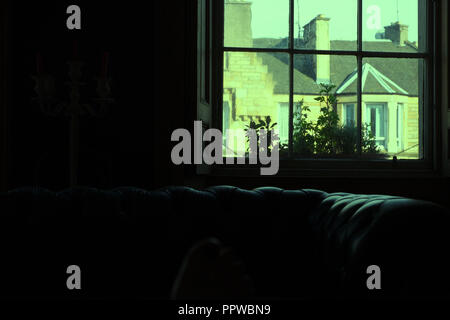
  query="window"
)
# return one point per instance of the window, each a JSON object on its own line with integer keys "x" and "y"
{"x": 377, "y": 123}
{"x": 348, "y": 115}
{"x": 400, "y": 133}
{"x": 283, "y": 122}
{"x": 374, "y": 73}
{"x": 226, "y": 119}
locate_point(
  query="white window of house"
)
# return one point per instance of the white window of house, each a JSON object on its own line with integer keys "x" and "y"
{"x": 400, "y": 126}
{"x": 283, "y": 122}
{"x": 287, "y": 50}
{"x": 349, "y": 115}
{"x": 377, "y": 121}
{"x": 225, "y": 120}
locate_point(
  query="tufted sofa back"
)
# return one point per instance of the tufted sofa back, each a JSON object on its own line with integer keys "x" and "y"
{"x": 130, "y": 242}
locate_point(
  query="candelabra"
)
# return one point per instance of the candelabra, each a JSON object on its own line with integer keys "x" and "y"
{"x": 74, "y": 108}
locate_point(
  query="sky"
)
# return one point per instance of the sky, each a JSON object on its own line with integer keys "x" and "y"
{"x": 270, "y": 17}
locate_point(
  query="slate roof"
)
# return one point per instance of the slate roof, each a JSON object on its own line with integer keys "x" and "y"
{"x": 402, "y": 72}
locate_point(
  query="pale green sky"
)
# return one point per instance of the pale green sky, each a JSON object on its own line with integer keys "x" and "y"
{"x": 270, "y": 17}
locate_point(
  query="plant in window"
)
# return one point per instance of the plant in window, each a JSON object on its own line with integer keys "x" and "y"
{"x": 303, "y": 133}
{"x": 368, "y": 143}
{"x": 327, "y": 126}
{"x": 327, "y": 136}
{"x": 268, "y": 127}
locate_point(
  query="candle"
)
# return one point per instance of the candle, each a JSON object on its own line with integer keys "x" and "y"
{"x": 39, "y": 63}
{"x": 105, "y": 59}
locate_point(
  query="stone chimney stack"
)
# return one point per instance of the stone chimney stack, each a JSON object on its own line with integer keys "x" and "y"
{"x": 397, "y": 33}
{"x": 316, "y": 36}
{"x": 238, "y": 24}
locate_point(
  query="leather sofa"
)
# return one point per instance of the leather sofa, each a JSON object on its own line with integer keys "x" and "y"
{"x": 130, "y": 243}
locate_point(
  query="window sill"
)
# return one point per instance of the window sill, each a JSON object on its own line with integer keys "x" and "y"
{"x": 334, "y": 169}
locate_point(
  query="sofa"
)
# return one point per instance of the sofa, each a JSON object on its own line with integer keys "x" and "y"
{"x": 296, "y": 244}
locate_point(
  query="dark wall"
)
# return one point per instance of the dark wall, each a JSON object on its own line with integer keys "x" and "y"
{"x": 131, "y": 146}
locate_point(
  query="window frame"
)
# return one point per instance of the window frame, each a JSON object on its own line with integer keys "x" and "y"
{"x": 432, "y": 142}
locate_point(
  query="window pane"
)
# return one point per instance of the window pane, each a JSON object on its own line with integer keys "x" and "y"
{"x": 349, "y": 114}
{"x": 394, "y": 26}
{"x": 283, "y": 122}
{"x": 325, "y": 122}
{"x": 326, "y": 24}
{"x": 376, "y": 121}
{"x": 256, "y": 23}
{"x": 255, "y": 86}
{"x": 391, "y": 100}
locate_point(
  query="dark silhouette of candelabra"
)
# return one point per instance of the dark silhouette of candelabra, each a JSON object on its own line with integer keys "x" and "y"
{"x": 74, "y": 108}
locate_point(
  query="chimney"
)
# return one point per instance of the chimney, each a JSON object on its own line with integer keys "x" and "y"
{"x": 316, "y": 36}
{"x": 238, "y": 24}
{"x": 397, "y": 33}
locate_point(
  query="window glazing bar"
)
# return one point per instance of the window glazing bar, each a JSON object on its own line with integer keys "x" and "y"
{"x": 359, "y": 82}
{"x": 291, "y": 77}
